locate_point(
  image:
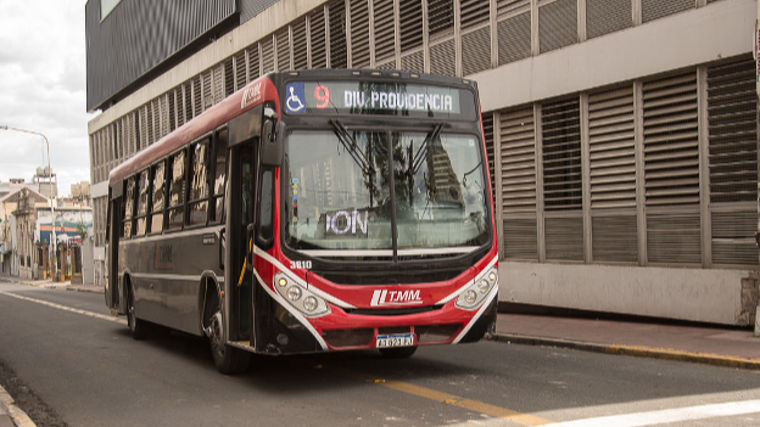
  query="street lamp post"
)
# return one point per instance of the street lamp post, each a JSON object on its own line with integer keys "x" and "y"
{"x": 50, "y": 191}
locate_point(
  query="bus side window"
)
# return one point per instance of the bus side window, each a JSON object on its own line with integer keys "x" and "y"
{"x": 129, "y": 209}
{"x": 177, "y": 191}
{"x": 142, "y": 203}
{"x": 157, "y": 219}
{"x": 265, "y": 235}
{"x": 199, "y": 183}
{"x": 220, "y": 175}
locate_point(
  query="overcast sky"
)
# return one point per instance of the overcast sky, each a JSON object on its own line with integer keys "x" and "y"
{"x": 43, "y": 88}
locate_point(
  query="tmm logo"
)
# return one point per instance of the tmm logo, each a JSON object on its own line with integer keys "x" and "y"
{"x": 386, "y": 297}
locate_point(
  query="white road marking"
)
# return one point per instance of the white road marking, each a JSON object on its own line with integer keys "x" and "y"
{"x": 69, "y": 309}
{"x": 669, "y": 415}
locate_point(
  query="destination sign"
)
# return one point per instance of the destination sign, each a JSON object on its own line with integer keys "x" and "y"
{"x": 378, "y": 98}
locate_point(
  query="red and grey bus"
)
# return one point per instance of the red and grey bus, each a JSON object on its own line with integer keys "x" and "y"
{"x": 312, "y": 211}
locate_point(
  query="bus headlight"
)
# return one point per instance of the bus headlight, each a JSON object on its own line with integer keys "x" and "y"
{"x": 299, "y": 297}
{"x": 473, "y": 295}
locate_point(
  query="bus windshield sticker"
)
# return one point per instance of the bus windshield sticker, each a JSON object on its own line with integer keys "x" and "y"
{"x": 378, "y": 98}
{"x": 345, "y": 222}
{"x": 295, "y": 95}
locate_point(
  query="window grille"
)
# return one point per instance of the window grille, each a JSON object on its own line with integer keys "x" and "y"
{"x": 229, "y": 76}
{"x": 655, "y": 9}
{"x": 671, "y": 140}
{"x": 674, "y": 238}
{"x": 385, "y": 33}
{"x": 163, "y": 108}
{"x": 218, "y": 83}
{"x": 564, "y": 238}
{"x": 732, "y": 121}
{"x": 359, "y": 10}
{"x": 443, "y": 58}
{"x": 612, "y": 151}
{"x": 267, "y": 54}
{"x": 283, "y": 49}
{"x": 410, "y": 24}
{"x": 300, "y": 51}
{"x": 557, "y": 24}
{"x": 440, "y": 18}
{"x": 172, "y": 111}
{"x": 338, "y": 49}
{"x": 188, "y": 93}
{"x": 318, "y": 44}
{"x": 733, "y": 240}
{"x": 562, "y": 155}
{"x": 197, "y": 91}
{"x": 477, "y": 45}
{"x": 414, "y": 62}
{"x": 614, "y": 238}
{"x": 474, "y": 12}
{"x": 514, "y": 38}
{"x": 512, "y": 7}
{"x": 208, "y": 90}
{"x": 607, "y": 16}
{"x": 518, "y": 183}
{"x": 180, "y": 105}
{"x": 489, "y": 142}
{"x": 241, "y": 79}
{"x": 254, "y": 62}
{"x": 149, "y": 123}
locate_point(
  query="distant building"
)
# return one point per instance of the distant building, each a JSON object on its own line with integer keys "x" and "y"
{"x": 622, "y": 134}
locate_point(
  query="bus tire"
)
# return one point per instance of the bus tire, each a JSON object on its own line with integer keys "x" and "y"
{"x": 140, "y": 329}
{"x": 228, "y": 360}
{"x": 398, "y": 352}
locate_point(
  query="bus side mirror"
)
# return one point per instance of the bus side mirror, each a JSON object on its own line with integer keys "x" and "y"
{"x": 273, "y": 134}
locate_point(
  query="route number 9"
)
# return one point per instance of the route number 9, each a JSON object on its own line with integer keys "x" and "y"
{"x": 322, "y": 93}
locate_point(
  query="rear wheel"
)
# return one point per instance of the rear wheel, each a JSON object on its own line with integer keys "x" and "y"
{"x": 139, "y": 328}
{"x": 228, "y": 360}
{"x": 397, "y": 352}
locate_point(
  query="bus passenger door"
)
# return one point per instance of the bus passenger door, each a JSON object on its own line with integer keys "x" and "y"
{"x": 239, "y": 234}
{"x": 112, "y": 293}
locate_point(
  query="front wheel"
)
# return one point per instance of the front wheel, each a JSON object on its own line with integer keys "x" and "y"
{"x": 397, "y": 352}
{"x": 228, "y": 360}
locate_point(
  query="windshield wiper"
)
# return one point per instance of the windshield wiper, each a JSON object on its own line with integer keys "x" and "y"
{"x": 350, "y": 145}
{"x": 421, "y": 154}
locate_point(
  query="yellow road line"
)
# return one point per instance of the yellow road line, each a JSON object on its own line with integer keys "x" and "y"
{"x": 448, "y": 399}
{"x": 684, "y": 356}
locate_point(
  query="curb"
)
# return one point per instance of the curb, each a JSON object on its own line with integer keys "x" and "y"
{"x": 18, "y": 417}
{"x": 630, "y": 350}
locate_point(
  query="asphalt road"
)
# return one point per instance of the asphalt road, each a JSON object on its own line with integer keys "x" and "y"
{"x": 67, "y": 362}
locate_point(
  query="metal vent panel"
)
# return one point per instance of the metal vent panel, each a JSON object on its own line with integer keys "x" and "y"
{"x": 477, "y": 46}
{"x": 318, "y": 43}
{"x": 241, "y": 77}
{"x": 671, "y": 140}
{"x": 385, "y": 32}
{"x": 520, "y": 238}
{"x": 300, "y": 50}
{"x": 614, "y": 238}
{"x": 440, "y": 17}
{"x": 564, "y": 239}
{"x": 607, "y": 16}
{"x": 673, "y": 238}
{"x": 488, "y": 136}
{"x": 732, "y": 122}
{"x": 474, "y": 12}
{"x": 562, "y": 155}
{"x": 254, "y": 62}
{"x": 733, "y": 238}
{"x": 557, "y": 26}
{"x": 283, "y": 49}
{"x": 511, "y": 7}
{"x": 267, "y": 55}
{"x": 410, "y": 24}
{"x": 229, "y": 77}
{"x": 338, "y": 47}
{"x": 359, "y": 19}
{"x": 443, "y": 58}
{"x": 655, "y": 9}
{"x": 518, "y": 160}
{"x": 514, "y": 38}
{"x": 612, "y": 151}
{"x": 414, "y": 62}
{"x": 390, "y": 65}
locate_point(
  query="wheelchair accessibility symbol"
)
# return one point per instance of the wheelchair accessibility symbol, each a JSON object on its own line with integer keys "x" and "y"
{"x": 295, "y": 98}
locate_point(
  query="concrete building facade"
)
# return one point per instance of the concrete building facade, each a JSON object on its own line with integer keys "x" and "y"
{"x": 622, "y": 134}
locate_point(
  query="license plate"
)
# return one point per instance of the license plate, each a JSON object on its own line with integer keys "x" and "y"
{"x": 397, "y": 340}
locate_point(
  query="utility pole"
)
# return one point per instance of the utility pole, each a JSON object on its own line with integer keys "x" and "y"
{"x": 50, "y": 191}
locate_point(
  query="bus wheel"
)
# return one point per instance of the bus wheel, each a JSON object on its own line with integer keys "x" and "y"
{"x": 397, "y": 353}
{"x": 139, "y": 328}
{"x": 228, "y": 360}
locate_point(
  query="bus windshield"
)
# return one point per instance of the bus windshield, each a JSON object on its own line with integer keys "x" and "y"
{"x": 340, "y": 192}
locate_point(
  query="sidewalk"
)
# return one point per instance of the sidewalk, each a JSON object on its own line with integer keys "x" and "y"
{"x": 49, "y": 284}
{"x": 715, "y": 345}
